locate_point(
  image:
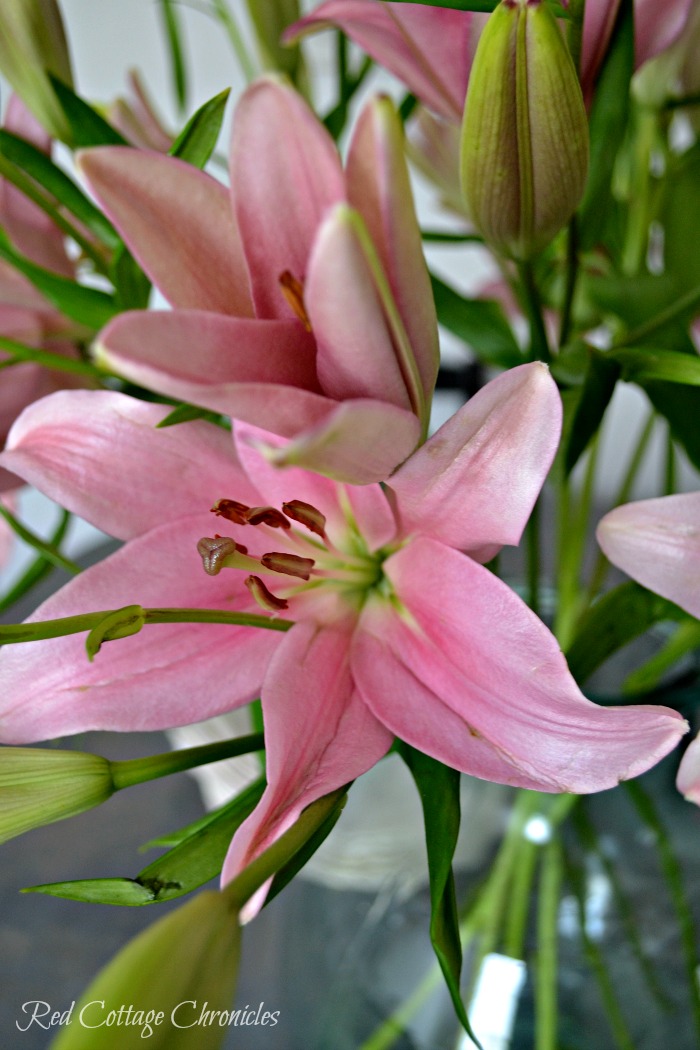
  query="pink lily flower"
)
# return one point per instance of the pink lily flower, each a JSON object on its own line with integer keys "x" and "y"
{"x": 304, "y": 292}
{"x": 657, "y": 543}
{"x": 399, "y": 630}
{"x": 431, "y": 48}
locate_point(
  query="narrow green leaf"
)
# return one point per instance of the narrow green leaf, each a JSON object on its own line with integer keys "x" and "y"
{"x": 197, "y": 140}
{"x": 132, "y": 288}
{"x": 680, "y": 406}
{"x": 87, "y": 127}
{"x": 480, "y": 323}
{"x": 648, "y": 676}
{"x": 619, "y": 616}
{"x": 438, "y": 787}
{"x": 39, "y": 568}
{"x": 595, "y": 395}
{"x": 669, "y": 365}
{"x": 185, "y": 413}
{"x": 46, "y": 549}
{"x": 286, "y": 873}
{"x": 48, "y": 359}
{"x": 486, "y": 6}
{"x": 173, "y": 33}
{"x": 196, "y": 859}
{"x": 608, "y": 122}
{"x": 87, "y": 306}
{"x": 549, "y": 896}
{"x": 53, "y": 179}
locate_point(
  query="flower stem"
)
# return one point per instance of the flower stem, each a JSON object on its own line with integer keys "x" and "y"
{"x": 47, "y": 550}
{"x": 539, "y": 345}
{"x": 139, "y": 770}
{"x": 546, "y": 969}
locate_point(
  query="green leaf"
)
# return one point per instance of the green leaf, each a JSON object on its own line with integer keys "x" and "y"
{"x": 486, "y": 6}
{"x": 438, "y": 787}
{"x": 680, "y": 406}
{"x": 39, "y": 569}
{"x": 196, "y": 859}
{"x": 614, "y": 620}
{"x": 173, "y": 33}
{"x": 198, "y": 138}
{"x": 641, "y": 365}
{"x": 185, "y": 413}
{"x": 480, "y": 323}
{"x": 594, "y": 397}
{"x": 655, "y": 310}
{"x": 53, "y": 179}
{"x": 132, "y": 288}
{"x": 87, "y": 127}
{"x": 609, "y": 116}
{"x": 87, "y": 306}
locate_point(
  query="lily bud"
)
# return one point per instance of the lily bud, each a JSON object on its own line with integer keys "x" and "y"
{"x": 32, "y": 45}
{"x": 171, "y": 986}
{"x": 524, "y": 155}
{"x": 38, "y": 787}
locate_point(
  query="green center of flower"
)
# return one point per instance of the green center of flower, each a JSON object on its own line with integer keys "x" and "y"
{"x": 310, "y": 560}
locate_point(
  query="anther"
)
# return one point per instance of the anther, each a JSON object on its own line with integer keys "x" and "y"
{"x": 293, "y": 291}
{"x": 289, "y": 564}
{"x": 214, "y": 550}
{"x": 267, "y": 516}
{"x": 306, "y": 515}
{"x": 231, "y": 510}
{"x": 265, "y": 598}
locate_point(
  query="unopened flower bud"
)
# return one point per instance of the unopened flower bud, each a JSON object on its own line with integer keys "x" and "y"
{"x": 38, "y": 786}
{"x": 525, "y": 134}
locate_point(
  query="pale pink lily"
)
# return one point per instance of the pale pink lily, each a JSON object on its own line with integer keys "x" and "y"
{"x": 431, "y": 48}
{"x": 397, "y": 631}
{"x": 657, "y": 543}
{"x": 302, "y": 300}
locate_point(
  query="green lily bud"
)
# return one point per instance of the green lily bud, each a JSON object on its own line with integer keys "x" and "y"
{"x": 38, "y": 786}
{"x": 525, "y": 134}
{"x": 170, "y": 988}
{"x": 32, "y": 45}
{"x": 270, "y": 18}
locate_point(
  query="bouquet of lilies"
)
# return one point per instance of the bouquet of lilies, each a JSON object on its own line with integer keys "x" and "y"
{"x": 232, "y": 372}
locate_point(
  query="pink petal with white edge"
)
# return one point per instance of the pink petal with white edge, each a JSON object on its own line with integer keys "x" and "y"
{"x": 379, "y": 187}
{"x": 200, "y": 347}
{"x": 318, "y": 733}
{"x": 357, "y": 356}
{"x": 688, "y": 779}
{"x": 167, "y": 675}
{"x": 367, "y": 503}
{"x": 99, "y": 454}
{"x": 285, "y": 174}
{"x": 428, "y": 48}
{"x": 474, "y": 483}
{"x": 470, "y": 675}
{"x": 657, "y": 543}
{"x": 178, "y": 223}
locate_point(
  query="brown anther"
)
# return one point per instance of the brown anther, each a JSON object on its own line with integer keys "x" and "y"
{"x": 214, "y": 550}
{"x": 231, "y": 510}
{"x": 293, "y": 291}
{"x": 263, "y": 596}
{"x": 289, "y": 564}
{"x": 267, "y": 516}
{"x": 306, "y": 515}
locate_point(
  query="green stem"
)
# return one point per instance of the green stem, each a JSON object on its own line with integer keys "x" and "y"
{"x": 29, "y": 632}
{"x": 572, "y": 270}
{"x": 572, "y": 534}
{"x": 48, "y": 359}
{"x": 539, "y": 345}
{"x": 47, "y": 550}
{"x": 682, "y": 305}
{"x": 533, "y": 557}
{"x": 574, "y": 35}
{"x": 546, "y": 969}
{"x": 140, "y": 770}
{"x": 671, "y": 471}
{"x": 235, "y": 38}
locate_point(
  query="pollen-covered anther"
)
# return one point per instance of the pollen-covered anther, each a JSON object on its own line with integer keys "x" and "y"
{"x": 214, "y": 550}
{"x": 293, "y": 291}
{"x": 232, "y": 510}
{"x": 267, "y": 516}
{"x": 306, "y": 515}
{"x": 289, "y": 564}
{"x": 265, "y": 598}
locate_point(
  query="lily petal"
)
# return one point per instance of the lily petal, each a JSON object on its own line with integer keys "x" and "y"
{"x": 166, "y": 675}
{"x": 428, "y": 48}
{"x": 285, "y": 174}
{"x": 318, "y": 733}
{"x": 474, "y": 483}
{"x": 471, "y": 676}
{"x": 357, "y": 356}
{"x": 657, "y": 543}
{"x": 178, "y": 223}
{"x": 157, "y": 347}
{"x": 688, "y": 779}
{"x": 380, "y": 189}
{"x": 98, "y": 454}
